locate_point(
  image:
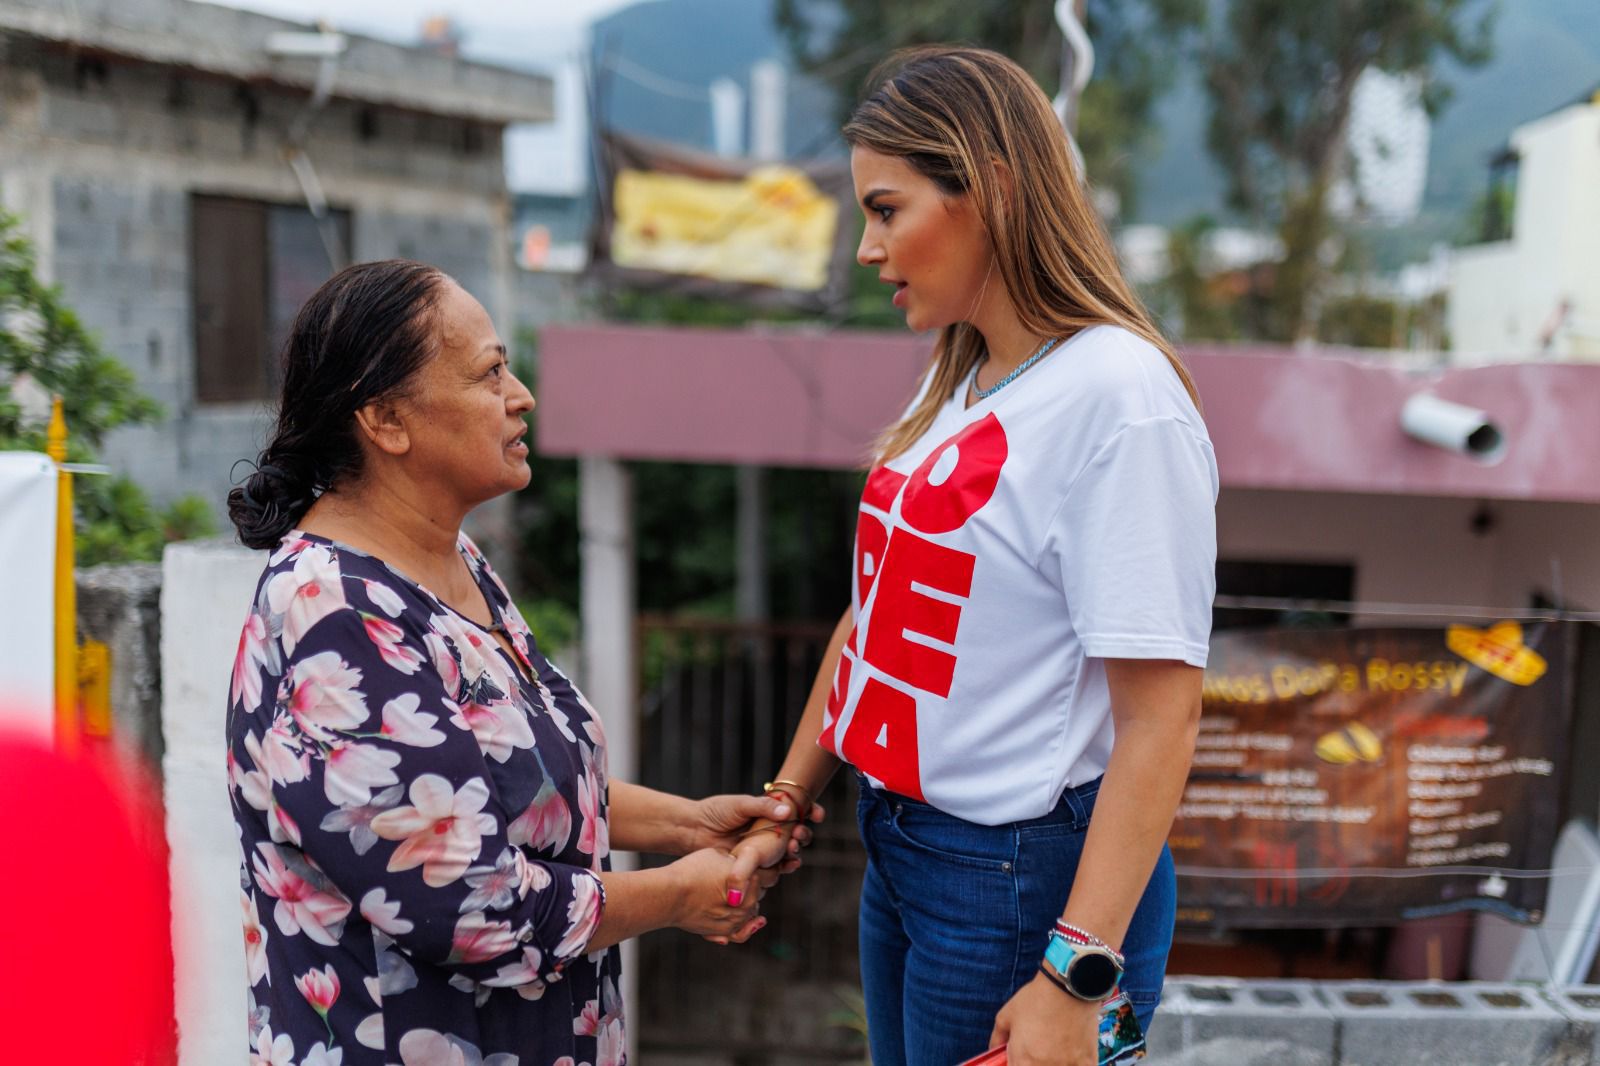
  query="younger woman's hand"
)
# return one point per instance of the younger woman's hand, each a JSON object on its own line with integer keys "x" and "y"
{"x": 713, "y": 898}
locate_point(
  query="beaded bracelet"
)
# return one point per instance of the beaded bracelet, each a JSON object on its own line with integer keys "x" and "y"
{"x": 1082, "y": 936}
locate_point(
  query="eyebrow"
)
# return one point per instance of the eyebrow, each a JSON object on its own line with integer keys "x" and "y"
{"x": 866, "y": 201}
{"x": 499, "y": 349}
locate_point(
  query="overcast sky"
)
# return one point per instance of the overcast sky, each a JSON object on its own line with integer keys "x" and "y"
{"x": 546, "y": 34}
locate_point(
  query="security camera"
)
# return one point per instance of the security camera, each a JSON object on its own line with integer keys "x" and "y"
{"x": 1454, "y": 427}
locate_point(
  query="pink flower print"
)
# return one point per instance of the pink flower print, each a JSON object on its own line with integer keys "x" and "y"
{"x": 613, "y": 1045}
{"x": 477, "y": 939}
{"x": 385, "y": 598}
{"x": 354, "y": 770}
{"x": 370, "y": 1032}
{"x": 384, "y": 914}
{"x": 442, "y": 831}
{"x": 497, "y": 887}
{"x": 500, "y": 727}
{"x": 444, "y": 661}
{"x": 278, "y": 752}
{"x": 255, "y": 940}
{"x": 404, "y": 724}
{"x": 307, "y": 901}
{"x": 255, "y": 788}
{"x": 519, "y": 974}
{"x": 286, "y": 548}
{"x": 547, "y": 823}
{"x": 255, "y": 651}
{"x": 320, "y": 988}
{"x": 272, "y": 1051}
{"x": 390, "y": 640}
{"x": 357, "y": 821}
{"x": 321, "y": 1055}
{"x": 325, "y": 696}
{"x": 595, "y": 837}
{"x": 588, "y": 1023}
{"x": 583, "y": 915}
{"x": 428, "y": 1047}
{"x": 307, "y": 594}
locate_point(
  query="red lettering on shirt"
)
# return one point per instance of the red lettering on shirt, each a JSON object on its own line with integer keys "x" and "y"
{"x": 836, "y": 696}
{"x": 942, "y": 508}
{"x": 872, "y": 536}
{"x": 898, "y": 610}
{"x": 883, "y": 485}
{"x": 882, "y": 738}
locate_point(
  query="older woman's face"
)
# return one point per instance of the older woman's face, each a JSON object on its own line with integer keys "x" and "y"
{"x": 465, "y": 413}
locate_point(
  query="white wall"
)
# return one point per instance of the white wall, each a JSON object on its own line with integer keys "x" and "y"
{"x": 1404, "y": 549}
{"x": 1505, "y": 296}
{"x": 205, "y": 593}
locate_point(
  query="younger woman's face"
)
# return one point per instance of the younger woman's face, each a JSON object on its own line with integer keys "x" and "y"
{"x": 930, "y": 246}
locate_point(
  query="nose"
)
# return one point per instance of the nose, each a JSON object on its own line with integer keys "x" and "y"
{"x": 870, "y": 250}
{"x": 519, "y": 401}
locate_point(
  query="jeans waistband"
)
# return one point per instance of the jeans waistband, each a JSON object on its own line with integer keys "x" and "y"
{"x": 1073, "y": 807}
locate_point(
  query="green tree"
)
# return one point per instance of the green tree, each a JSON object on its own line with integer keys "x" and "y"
{"x": 45, "y": 349}
{"x": 1281, "y": 77}
{"x": 1136, "y": 44}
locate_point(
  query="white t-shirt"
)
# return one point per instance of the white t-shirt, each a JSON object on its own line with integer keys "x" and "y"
{"x": 1067, "y": 519}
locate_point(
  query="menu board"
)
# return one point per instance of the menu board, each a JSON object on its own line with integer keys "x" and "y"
{"x": 1363, "y": 776}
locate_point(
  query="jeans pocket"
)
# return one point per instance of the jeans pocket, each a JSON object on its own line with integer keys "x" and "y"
{"x": 942, "y": 836}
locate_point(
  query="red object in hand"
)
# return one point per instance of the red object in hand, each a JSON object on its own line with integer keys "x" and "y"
{"x": 994, "y": 1057}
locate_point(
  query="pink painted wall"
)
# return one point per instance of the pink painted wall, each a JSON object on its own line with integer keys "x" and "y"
{"x": 1279, "y": 420}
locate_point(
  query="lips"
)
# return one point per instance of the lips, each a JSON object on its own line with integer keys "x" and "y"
{"x": 899, "y": 289}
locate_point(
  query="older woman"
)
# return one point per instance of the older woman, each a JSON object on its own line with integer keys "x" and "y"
{"x": 421, "y": 797}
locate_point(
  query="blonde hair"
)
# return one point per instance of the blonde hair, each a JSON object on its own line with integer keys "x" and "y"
{"x": 951, "y": 112}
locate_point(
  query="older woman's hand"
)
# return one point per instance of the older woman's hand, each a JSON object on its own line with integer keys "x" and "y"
{"x": 713, "y": 898}
{"x": 720, "y": 821}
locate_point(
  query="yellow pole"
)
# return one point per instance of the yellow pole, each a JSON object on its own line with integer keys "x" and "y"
{"x": 66, "y": 590}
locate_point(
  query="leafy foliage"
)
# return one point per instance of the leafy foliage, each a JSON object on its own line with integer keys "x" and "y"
{"x": 46, "y": 350}
{"x": 1281, "y": 78}
{"x": 1135, "y": 42}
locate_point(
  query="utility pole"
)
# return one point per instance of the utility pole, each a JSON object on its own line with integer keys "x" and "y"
{"x": 750, "y": 587}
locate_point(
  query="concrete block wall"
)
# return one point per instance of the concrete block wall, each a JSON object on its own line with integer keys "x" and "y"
{"x": 120, "y": 606}
{"x": 1211, "y": 1022}
{"x": 102, "y": 159}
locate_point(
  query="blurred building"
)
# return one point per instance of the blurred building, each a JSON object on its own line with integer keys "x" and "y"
{"x": 165, "y": 157}
{"x": 1531, "y": 290}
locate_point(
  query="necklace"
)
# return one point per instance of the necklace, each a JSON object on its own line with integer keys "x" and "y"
{"x": 1044, "y": 350}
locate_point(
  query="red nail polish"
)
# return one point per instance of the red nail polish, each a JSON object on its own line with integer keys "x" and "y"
{"x": 735, "y": 897}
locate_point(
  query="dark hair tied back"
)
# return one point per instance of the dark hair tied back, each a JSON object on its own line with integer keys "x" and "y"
{"x": 361, "y": 337}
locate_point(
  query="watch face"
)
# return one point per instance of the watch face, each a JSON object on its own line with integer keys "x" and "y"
{"x": 1092, "y": 976}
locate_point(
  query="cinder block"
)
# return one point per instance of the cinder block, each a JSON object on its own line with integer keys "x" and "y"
{"x": 1434, "y": 1024}
{"x": 1204, "y": 1020}
{"x": 1581, "y": 1005}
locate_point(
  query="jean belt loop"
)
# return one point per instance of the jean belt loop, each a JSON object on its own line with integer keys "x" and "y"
{"x": 1080, "y": 817}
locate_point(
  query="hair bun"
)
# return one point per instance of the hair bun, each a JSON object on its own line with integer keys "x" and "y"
{"x": 270, "y": 502}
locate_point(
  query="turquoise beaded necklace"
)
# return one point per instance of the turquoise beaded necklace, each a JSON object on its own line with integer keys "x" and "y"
{"x": 1044, "y": 350}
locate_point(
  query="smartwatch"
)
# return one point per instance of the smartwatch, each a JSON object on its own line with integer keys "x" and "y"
{"x": 1087, "y": 971}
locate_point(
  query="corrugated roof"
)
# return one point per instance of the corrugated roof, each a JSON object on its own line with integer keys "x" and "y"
{"x": 233, "y": 43}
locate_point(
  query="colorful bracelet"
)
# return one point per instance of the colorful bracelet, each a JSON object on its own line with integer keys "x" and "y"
{"x": 1083, "y": 936}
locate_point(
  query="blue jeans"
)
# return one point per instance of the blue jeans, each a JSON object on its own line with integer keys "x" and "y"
{"x": 955, "y": 917}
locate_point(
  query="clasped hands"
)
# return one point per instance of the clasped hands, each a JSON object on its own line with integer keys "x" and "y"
{"x": 739, "y": 847}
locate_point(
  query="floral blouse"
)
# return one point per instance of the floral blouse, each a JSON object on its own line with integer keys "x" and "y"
{"x": 421, "y": 828}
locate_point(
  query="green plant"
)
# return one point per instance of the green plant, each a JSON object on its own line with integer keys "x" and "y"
{"x": 46, "y": 350}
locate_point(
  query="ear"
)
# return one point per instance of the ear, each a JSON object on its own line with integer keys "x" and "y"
{"x": 384, "y": 427}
